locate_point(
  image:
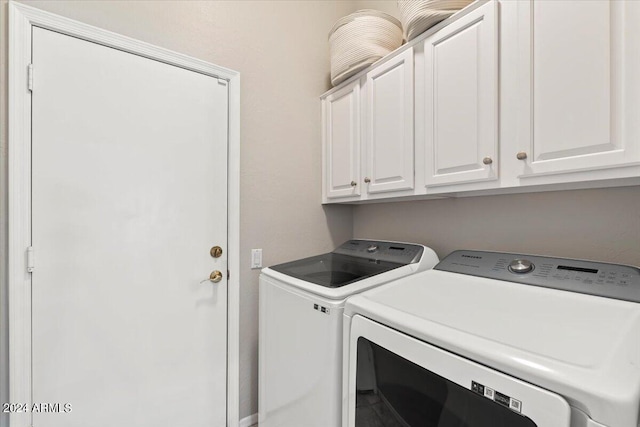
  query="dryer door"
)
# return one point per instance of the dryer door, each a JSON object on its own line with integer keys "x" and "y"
{"x": 395, "y": 380}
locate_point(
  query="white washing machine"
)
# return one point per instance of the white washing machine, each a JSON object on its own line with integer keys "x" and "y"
{"x": 301, "y": 314}
{"x": 496, "y": 340}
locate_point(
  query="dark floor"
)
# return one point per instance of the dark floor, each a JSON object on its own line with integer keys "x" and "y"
{"x": 372, "y": 411}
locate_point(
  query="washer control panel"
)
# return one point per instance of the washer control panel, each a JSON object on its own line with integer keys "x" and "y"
{"x": 587, "y": 277}
{"x": 401, "y": 253}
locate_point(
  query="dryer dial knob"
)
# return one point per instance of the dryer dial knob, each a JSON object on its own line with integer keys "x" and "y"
{"x": 521, "y": 266}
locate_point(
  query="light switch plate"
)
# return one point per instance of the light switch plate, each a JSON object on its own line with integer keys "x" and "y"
{"x": 256, "y": 258}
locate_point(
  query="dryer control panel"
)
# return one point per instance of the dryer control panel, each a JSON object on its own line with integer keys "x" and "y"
{"x": 587, "y": 277}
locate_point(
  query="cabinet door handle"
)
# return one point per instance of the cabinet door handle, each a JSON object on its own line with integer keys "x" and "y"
{"x": 367, "y": 180}
{"x": 353, "y": 183}
{"x": 487, "y": 160}
{"x": 521, "y": 155}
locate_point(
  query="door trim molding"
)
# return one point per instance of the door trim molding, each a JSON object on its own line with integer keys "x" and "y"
{"x": 21, "y": 20}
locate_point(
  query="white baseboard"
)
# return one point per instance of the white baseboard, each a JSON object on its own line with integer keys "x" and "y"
{"x": 249, "y": 421}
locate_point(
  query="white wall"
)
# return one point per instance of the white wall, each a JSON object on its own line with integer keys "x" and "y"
{"x": 281, "y": 51}
{"x": 4, "y": 309}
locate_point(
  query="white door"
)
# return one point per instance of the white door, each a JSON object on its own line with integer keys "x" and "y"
{"x": 461, "y": 85}
{"x": 129, "y": 195}
{"x": 342, "y": 142}
{"x": 389, "y": 125}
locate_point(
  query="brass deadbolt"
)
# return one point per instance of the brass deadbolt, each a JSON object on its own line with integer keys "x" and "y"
{"x": 216, "y": 251}
{"x": 215, "y": 276}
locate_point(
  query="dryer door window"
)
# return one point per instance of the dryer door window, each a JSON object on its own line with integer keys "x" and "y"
{"x": 394, "y": 392}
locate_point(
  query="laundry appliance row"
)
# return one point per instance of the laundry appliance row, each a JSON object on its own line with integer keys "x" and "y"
{"x": 479, "y": 339}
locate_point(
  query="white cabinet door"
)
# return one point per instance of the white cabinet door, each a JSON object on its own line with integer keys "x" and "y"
{"x": 389, "y": 125}
{"x": 461, "y": 100}
{"x": 579, "y": 69}
{"x": 342, "y": 142}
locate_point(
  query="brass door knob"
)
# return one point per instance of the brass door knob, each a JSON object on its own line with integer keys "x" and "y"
{"x": 367, "y": 180}
{"x": 353, "y": 183}
{"x": 487, "y": 160}
{"x": 521, "y": 155}
{"x": 215, "y": 276}
{"x": 216, "y": 251}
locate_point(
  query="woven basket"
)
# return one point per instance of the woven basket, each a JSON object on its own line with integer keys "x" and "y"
{"x": 417, "y": 16}
{"x": 360, "y": 39}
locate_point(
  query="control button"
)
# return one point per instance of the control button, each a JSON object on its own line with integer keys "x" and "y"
{"x": 520, "y": 266}
{"x": 372, "y": 248}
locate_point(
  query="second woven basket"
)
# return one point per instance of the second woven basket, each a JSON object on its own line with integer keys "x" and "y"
{"x": 417, "y": 16}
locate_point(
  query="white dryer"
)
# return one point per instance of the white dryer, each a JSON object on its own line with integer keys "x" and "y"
{"x": 496, "y": 340}
{"x": 301, "y": 313}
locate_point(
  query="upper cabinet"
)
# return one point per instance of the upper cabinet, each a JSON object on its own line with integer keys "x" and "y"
{"x": 388, "y": 132}
{"x": 501, "y": 96}
{"x": 368, "y": 142}
{"x": 341, "y": 151}
{"x": 461, "y": 100}
{"x": 578, "y": 85}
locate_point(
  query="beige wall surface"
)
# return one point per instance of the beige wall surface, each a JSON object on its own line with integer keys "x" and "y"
{"x": 280, "y": 48}
{"x": 386, "y": 6}
{"x": 599, "y": 224}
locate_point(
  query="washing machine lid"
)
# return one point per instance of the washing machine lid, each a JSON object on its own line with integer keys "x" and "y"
{"x": 334, "y": 270}
{"x": 584, "y": 347}
{"x": 353, "y": 261}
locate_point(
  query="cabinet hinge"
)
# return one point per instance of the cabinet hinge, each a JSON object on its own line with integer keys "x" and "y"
{"x": 30, "y": 77}
{"x": 30, "y": 259}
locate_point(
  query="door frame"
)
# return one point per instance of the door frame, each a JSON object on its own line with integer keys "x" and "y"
{"x": 22, "y": 19}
